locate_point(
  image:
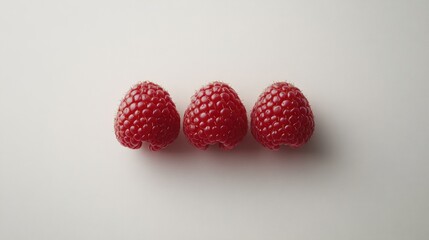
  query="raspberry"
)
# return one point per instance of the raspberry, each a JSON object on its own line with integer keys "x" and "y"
{"x": 215, "y": 115}
{"x": 147, "y": 114}
{"x": 282, "y": 115}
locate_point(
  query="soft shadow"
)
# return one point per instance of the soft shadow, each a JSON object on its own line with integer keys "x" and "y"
{"x": 179, "y": 154}
{"x": 316, "y": 149}
{"x": 319, "y": 151}
{"x": 247, "y": 153}
{"x": 181, "y": 146}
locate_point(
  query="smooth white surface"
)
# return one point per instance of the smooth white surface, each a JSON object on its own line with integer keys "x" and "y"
{"x": 65, "y": 65}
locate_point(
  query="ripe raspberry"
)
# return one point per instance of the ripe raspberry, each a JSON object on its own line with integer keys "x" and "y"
{"x": 215, "y": 115}
{"x": 147, "y": 114}
{"x": 282, "y": 115}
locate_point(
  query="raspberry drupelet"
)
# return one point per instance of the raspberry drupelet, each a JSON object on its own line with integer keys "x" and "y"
{"x": 147, "y": 114}
{"x": 216, "y": 115}
{"x": 282, "y": 116}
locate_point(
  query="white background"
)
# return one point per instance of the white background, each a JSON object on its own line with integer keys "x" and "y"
{"x": 65, "y": 65}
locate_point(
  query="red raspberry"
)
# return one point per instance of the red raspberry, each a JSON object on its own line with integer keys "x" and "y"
{"x": 215, "y": 115}
{"x": 147, "y": 114}
{"x": 282, "y": 115}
